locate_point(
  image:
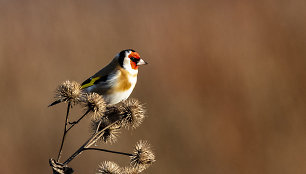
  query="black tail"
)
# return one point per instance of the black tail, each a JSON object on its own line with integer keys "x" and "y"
{"x": 54, "y": 103}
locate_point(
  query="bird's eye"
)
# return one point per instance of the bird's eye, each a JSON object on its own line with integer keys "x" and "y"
{"x": 134, "y": 59}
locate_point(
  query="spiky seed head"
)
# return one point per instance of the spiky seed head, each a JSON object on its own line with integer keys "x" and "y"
{"x": 133, "y": 112}
{"x": 96, "y": 104}
{"x": 108, "y": 167}
{"x": 69, "y": 91}
{"x": 143, "y": 156}
{"x": 129, "y": 113}
{"x": 129, "y": 170}
{"x": 110, "y": 134}
{"x": 113, "y": 113}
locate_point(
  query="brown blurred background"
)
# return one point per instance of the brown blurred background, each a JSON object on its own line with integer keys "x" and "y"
{"x": 224, "y": 88}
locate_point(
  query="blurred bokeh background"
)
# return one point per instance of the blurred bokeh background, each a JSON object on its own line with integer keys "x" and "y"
{"x": 224, "y": 88}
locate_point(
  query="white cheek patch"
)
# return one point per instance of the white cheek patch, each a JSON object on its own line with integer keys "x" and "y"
{"x": 127, "y": 65}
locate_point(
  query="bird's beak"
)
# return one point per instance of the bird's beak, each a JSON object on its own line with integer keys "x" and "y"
{"x": 141, "y": 62}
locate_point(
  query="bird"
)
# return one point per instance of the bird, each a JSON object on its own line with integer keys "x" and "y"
{"x": 116, "y": 81}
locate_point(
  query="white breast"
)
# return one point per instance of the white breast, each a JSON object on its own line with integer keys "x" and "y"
{"x": 117, "y": 97}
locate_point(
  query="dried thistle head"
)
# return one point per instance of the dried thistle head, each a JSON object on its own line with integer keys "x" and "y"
{"x": 130, "y": 113}
{"x": 95, "y": 103}
{"x": 68, "y": 92}
{"x": 135, "y": 113}
{"x": 143, "y": 156}
{"x": 129, "y": 170}
{"x": 110, "y": 134}
{"x": 108, "y": 167}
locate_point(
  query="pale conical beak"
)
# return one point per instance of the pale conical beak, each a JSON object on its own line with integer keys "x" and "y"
{"x": 141, "y": 62}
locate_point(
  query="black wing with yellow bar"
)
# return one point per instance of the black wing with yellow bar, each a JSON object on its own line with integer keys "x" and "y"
{"x": 93, "y": 80}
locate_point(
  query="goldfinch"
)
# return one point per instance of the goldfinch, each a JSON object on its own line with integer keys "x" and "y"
{"x": 116, "y": 81}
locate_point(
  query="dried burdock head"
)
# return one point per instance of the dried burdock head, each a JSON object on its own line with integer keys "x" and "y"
{"x": 110, "y": 134}
{"x": 108, "y": 167}
{"x": 134, "y": 113}
{"x": 68, "y": 92}
{"x": 143, "y": 156}
{"x": 95, "y": 103}
{"x": 130, "y": 113}
{"x": 129, "y": 170}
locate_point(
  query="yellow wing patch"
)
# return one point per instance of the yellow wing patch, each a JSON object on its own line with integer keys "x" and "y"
{"x": 92, "y": 81}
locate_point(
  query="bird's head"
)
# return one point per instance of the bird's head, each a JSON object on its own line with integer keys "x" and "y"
{"x": 130, "y": 60}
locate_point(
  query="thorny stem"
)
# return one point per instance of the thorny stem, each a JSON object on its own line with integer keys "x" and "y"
{"x": 65, "y": 132}
{"x": 88, "y": 143}
{"x": 105, "y": 150}
{"x": 76, "y": 122}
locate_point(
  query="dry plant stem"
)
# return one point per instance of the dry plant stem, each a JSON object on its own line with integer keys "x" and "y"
{"x": 98, "y": 126}
{"x": 76, "y": 122}
{"x": 65, "y": 132}
{"x": 93, "y": 139}
{"x": 105, "y": 150}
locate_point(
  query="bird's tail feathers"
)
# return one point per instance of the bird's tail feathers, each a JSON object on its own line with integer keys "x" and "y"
{"x": 54, "y": 103}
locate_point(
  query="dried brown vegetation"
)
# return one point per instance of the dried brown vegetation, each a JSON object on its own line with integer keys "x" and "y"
{"x": 225, "y": 85}
{"x": 105, "y": 123}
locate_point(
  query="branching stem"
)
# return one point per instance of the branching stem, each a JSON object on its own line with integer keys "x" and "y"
{"x": 105, "y": 150}
{"x": 93, "y": 139}
{"x": 76, "y": 122}
{"x": 65, "y": 132}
